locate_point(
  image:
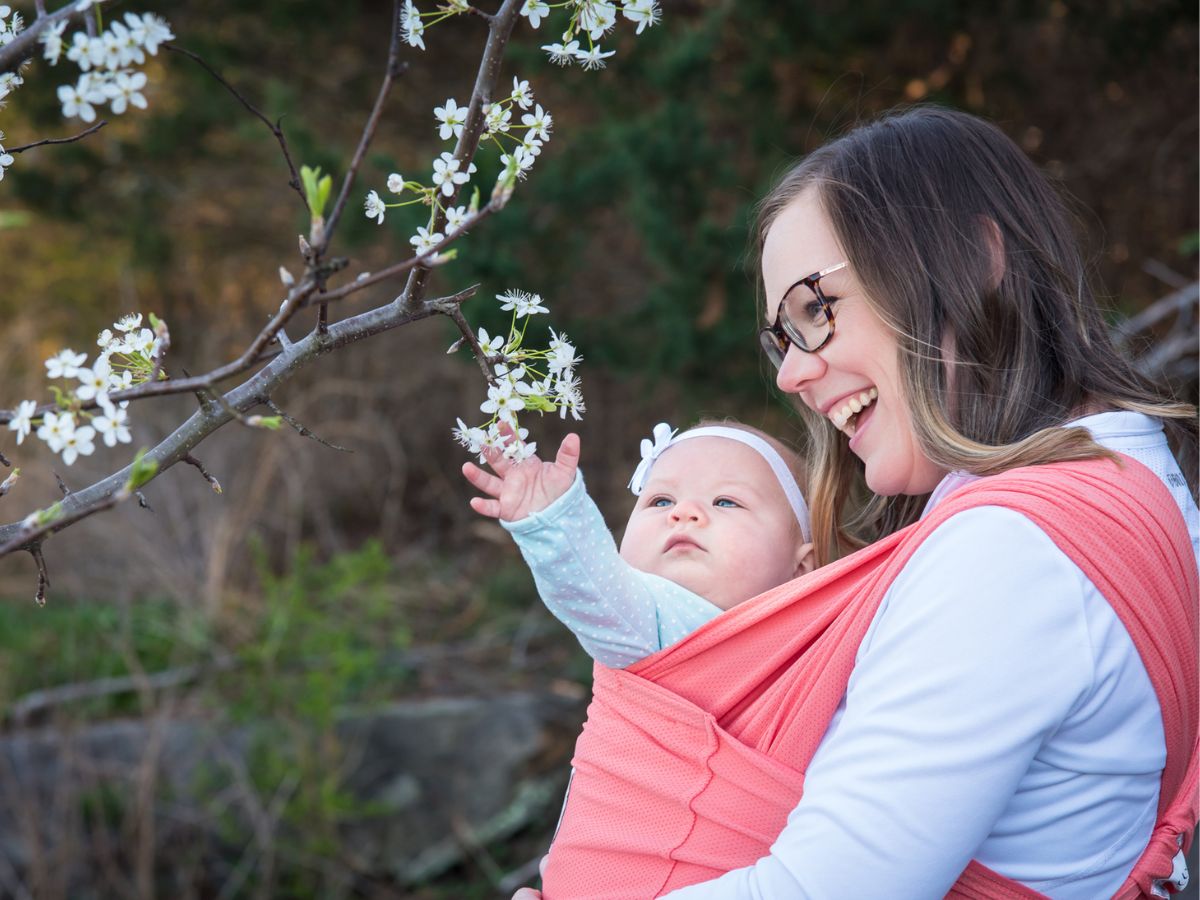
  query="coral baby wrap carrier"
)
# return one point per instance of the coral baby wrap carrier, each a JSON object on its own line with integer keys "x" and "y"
{"x": 692, "y": 759}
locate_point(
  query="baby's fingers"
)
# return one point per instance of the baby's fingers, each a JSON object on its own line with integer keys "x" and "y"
{"x": 486, "y": 507}
{"x": 568, "y": 452}
{"x": 484, "y": 481}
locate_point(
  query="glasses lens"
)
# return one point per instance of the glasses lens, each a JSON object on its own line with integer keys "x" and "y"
{"x": 804, "y": 317}
{"x": 772, "y": 346}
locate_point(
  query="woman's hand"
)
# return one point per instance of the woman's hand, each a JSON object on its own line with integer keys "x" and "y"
{"x": 518, "y": 489}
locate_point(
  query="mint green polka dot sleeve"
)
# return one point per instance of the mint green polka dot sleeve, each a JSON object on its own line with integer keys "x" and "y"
{"x": 619, "y": 614}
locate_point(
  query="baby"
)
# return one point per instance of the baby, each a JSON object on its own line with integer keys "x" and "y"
{"x": 719, "y": 519}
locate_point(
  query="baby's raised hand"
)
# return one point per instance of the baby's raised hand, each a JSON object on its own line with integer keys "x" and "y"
{"x": 518, "y": 489}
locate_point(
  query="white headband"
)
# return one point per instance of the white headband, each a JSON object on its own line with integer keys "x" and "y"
{"x": 665, "y": 436}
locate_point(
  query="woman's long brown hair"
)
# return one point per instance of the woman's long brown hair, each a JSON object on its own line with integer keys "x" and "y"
{"x": 958, "y": 241}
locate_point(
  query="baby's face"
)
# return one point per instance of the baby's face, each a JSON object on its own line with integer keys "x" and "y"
{"x": 713, "y": 518}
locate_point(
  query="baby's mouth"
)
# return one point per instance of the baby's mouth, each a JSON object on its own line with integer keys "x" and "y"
{"x": 845, "y": 417}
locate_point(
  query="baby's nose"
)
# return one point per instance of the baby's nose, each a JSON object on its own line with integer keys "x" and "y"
{"x": 687, "y": 511}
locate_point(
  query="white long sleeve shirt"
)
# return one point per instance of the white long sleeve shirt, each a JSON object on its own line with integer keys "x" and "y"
{"x": 998, "y": 711}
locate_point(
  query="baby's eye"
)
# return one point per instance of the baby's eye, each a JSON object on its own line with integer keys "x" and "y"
{"x": 726, "y": 503}
{"x": 660, "y": 502}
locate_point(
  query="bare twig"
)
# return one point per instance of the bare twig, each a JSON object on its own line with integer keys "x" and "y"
{"x": 394, "y": 69}
{"x": 66, "y": 140}
{"x": 208, "y": 476}
{"x": 468, "y": 335}
{"x": 35, "y": 550}
{"x": 40, "y": 701}
{"x": 1179, "y": 301}
{"x": 294, "y": 184}
{"x": 4, "y": 461}
{"x": 20, "y": 536}
{"x": 400, "y": 268}
{"x": 301, "y": 428}
{"x": 62, "y": 485}
{"x": 1165, "y": 274}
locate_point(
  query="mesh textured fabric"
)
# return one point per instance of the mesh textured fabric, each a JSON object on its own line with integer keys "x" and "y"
{"x": 691, "y": 760}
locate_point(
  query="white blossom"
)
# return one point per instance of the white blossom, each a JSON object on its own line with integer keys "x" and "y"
{"x": 497, "y": 119}
{"x": 522, "y": 303}
{"x": 52, "y": 42}
{"x": 518, "y": 163}
{"x": 562, "y": 54}
{"x": 593, "y": 58}
{"x": 129, "y": 44}
{"x": 490, "y": 345}
{"x": 469, "y": 437}
{"x": 157, "y": 31}
{"x": 77, "y": 442}
{"x": 112, "y": 425}
{"x": 125, "y": 89}
{"x": 65, "y": 364}
{"x": 374, "y": 207}
{"x": 424, "y": 241}
{"x": 6, "y": 160}
{"x": 539, "y": 123}
{"x": 78, "y": 100}
{"x": 413, "y": 26}
{"x": 455, "y": 216}
{"x": 535, "y": 11}
{"x": 597, "y": 17}
{"x": 21, "y": 422}
{"x": 9, "y": 82}
{"x": 446, "y": 173}
{"x": 517, "y": 451}
{"x": 54, "y": 429}
{"x": 129, "y": 322}
{"x": 93, "y": 382}
{"x": 521, "y": 95}
{"x": 452, "y": 116}
{"x": 569, "y": 398}
{"x": 503, "y": 402}
{"x": 395, "y": 183}
{"x": 562, "y": 354}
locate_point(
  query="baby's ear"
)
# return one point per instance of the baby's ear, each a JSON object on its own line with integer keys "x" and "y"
{"x": 806, "y": 560}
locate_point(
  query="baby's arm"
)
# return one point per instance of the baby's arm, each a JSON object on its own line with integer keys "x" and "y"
{"x": 619, "y": 614}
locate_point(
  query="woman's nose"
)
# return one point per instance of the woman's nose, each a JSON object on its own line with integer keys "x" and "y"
{"x": 799, "y": 369}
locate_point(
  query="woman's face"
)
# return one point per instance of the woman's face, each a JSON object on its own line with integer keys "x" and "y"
{"x": 860, "y": 360}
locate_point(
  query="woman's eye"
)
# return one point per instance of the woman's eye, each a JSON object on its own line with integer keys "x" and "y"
{"x": 726, "y": 503}
{"x": 814, "y": 312}
{"x": 660, "y": 502}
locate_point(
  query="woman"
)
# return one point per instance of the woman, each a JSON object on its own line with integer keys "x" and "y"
{"x": 1001, "y": 710}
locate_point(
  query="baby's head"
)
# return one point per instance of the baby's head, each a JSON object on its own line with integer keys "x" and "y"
{"x": 719, "y": 511}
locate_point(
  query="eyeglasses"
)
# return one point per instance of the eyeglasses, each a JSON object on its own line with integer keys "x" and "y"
{"x": 804, "y": 319}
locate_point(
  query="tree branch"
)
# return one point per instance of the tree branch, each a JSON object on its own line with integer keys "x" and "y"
{"x": 294, "y": 184}
{"x": 67, "y": 140}
{"x": 394, "y": 69}
{"x": 500, "y": 28}
{"x": 109, "y": 491}
{"x": 24, "y": 45}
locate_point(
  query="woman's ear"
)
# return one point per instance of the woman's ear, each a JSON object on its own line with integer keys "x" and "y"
{"x": 806, "y": 560}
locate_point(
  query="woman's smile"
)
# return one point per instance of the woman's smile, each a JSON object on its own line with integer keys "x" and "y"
{"x": 853, "y": 381}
